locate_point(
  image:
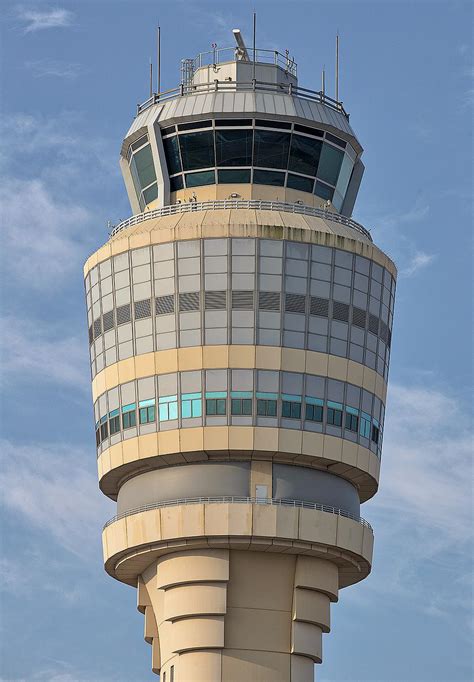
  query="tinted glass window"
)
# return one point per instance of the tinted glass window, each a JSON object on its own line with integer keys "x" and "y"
{"x": 234, "y": 122}
{"x": 330, "y": 164}
{"x": 261, "y": 177}
{"x": 150, "y": 194}
{"x": 172, "y": 155}
{"x": 323, "y": 191}
{"x": 197, "y": 150}
{"x": 271, "y": 149}
{"x": 304, "y": 155}
{"x": 176, "y": 183}
{"x": 308, "y": 131}
{"x": 168, "y": 130}
{"x": 143, "y": 161}
{"x": 234, "y": 147}
{"x": 203, "y": 178}
{"x": 194, "y": 125}
{"x": 336, "y": 140}
{"x": 231, "y": 176}
{"x": 273, "y": 124}
{"x": 298, "y": 182}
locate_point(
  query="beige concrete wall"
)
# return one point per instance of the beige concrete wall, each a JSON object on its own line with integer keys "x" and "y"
{"x": 238, "y": 615}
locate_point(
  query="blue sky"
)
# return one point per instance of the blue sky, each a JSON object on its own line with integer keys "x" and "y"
{"x": 72, "y": 73}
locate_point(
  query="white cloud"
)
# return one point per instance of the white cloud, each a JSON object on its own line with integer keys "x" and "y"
{"x": 45, "y": 238}
{"x": 422, "y": 515}
{"x": 37, "y": 20}
{"x": 33, "y": 350}
{"x": 51, "y": 488}
{"x": 419, "y": 261}
{"x": 42, "y": 68}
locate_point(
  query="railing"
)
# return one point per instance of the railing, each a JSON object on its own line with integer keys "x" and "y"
{"x": 233, "y": 204}
{"x": 242, "y": 500}
{"x": 233, "y": 86}
{"x": 221, "y": 55}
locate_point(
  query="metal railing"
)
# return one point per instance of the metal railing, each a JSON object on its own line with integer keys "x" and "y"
{"x": 299, "y": 504}
{"x": 252, "y": 86}
{"x": 221, "y": 55}
{"x": 233, "y": 204}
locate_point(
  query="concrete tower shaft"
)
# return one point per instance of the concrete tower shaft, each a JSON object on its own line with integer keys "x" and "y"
{"x": 240, "y": 331}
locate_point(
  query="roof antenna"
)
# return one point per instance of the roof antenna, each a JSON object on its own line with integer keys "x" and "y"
{"x": 151, "y": 78}
{"x": 323, "y": 81}
{"x": 158, "y": 61}
{"x": 337, "y": 67}
{"x": 254, "y": 45}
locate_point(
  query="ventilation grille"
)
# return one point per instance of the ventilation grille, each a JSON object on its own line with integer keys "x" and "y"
{"x": 295, "y": 303}
{"x": 340, "y": 311}
{"x": 189, "y": 302}
{"x": 108, "y": 320}
{"x": 91, "y": 334}
{"x": 319, "y": 306}
{"x": 383, "y": 331}
{"x": 215, "y": 300}
{"x": 97, "y": 328}
{"x": 373, "y": 324}
{"x": 142, "y": 309}
{"x": 123, "y": 314}
{"x": 269, "y": 300}
{"x": 164, "y": 305}
{"x": 242, "y": 300}
{"x": 359, "y": 317}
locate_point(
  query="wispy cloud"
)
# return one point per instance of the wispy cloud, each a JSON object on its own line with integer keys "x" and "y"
{"x": 419, "y": 261}
{"x": 423, "y": 512}
{"x": 40, "y": 20}
{"x": 51, "y": 488}
{"x": 46, "y": 68}
{"x": 32, "y": 350}
{"x": 44, "y": 238}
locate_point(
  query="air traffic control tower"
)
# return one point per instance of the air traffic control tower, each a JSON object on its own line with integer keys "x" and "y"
{"x": 239, "y": 327}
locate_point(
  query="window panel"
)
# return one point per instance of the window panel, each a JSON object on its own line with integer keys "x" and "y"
{"x": 173, "y": 161}
{"x": 234, "y": 147}
{"x": 271, "y": 149}
{"x": 304, "y": 155}
{"x": 202, "y": 178}
{"x": 197, "y": 150}
{"x": 176, "y": 183}
{"x": 300, "y": 183}
{"x": 150, "y": 193}
{"x": 143, "y": 162}
{"x": 261, "y": 177}
{"x": 233, "y": 176}
{"x": 323, "y": 191}
{"x": 330, "y": 164}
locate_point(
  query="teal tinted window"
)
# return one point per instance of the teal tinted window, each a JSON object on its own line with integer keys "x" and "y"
{"x": 147, "y": 414}
{"x": 241, "y": 406}
{"x": 290, "y": 409}
{"x": 168, "y": 408}
{"x": 298, "y": 182}
{"x": 197, "y": 150}
{"x": 314, "y": 413}
{"x": 129, "y": 418}
{"x": 151, "y": 193}
{"x": 216, "y": 406}
{"x": 143, "y": 161}
{"x": 114, "y": 423}
{"x": 233, "y": 176}
{"x": 191, "y": 405}
{"x": 304, "y": 155}
{"x": 352, "y": 422}
{"x": 172, "y": 155}
{"x": 266, "y": 408}
{"x": 202, "y": 178}
{"x": 234, "y": 147}
{"x": 261, "y": 177}
{"x": 271, "y": 149}
{"x": 334, "y": 416}
{"x": 323, "y": 191}
{"x": 330, "y": 164}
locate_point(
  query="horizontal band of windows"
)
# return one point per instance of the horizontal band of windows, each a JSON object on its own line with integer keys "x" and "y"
{"x": 241, "y": 403}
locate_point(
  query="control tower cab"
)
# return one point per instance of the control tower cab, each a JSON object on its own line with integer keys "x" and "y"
{"x": 239, "y": 330}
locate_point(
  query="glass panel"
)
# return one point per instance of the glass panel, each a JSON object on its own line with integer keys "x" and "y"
{"x": 323, "y": 191}
{"x": 298, "y": 182}
{"x": 308, "y": 131}
{"x": 139, "y": 143}
{"x": 344, "y": 175}
{"x": 330, "y": 164}
{"x": 336, "y": 140}
{"x": 271, "y": 149}
{"x": 233, "y": 176}
{"x": 202, "y": 178}
{"x": 143, "y": 162}
{"x": 150, "y": 193}
{"x": 304, "y": 154}
{"x": 273, "y": 124}
{"x": 172, "y": 155}
{"x": 197, "y": 150}
{"x": 225, "y": 122}
{"x": 261, "y": 177}
{"x": 176, "y": 183}
{"x": 234, "y": 147}
{"x": 195, "y": 124}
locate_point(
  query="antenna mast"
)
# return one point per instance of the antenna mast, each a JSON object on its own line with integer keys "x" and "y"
{"x": 254, "y": 43}
{"x": 151, "y": 78}
{"x": 337, "y": 67}
{"x": 158, "y": 62}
